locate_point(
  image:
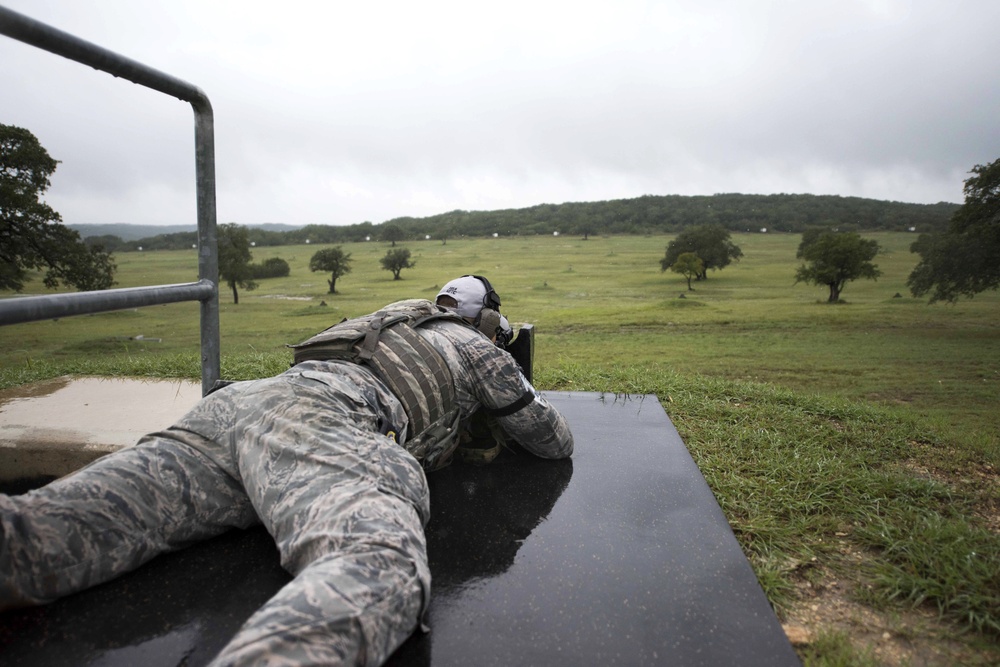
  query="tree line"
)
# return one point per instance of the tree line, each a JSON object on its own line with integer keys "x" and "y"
{"x": 642, "y": 215}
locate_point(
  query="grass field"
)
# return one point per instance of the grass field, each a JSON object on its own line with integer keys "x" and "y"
{"x": 854, "y": 447}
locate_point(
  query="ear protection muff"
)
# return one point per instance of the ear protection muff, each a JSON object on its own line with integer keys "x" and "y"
{"x": 488, "y": 319}
{"x": 488, "y": 322}
{"x": 491, "y": 300}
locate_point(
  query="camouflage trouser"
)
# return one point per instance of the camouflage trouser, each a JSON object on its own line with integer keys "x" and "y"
{"x": 298, "y": 452}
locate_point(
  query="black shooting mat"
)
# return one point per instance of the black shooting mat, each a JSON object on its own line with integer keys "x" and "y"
{"x": 620, "y": 555}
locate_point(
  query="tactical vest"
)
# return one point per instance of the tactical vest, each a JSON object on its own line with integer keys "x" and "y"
{"x": 387, "y": 343}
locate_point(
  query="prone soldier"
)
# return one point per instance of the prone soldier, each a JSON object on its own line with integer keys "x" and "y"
{"x": 330, "y": 456}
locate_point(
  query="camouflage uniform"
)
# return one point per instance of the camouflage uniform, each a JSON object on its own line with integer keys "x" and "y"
{"x": 303, "y": 453}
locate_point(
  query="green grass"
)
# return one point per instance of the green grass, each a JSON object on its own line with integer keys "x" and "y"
{"x": 869, "y": 423}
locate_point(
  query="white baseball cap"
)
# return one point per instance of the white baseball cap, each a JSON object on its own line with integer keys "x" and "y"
{"x": 469, "y": 292}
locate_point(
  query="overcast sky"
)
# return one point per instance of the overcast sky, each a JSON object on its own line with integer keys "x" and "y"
{"x": 341, "y": 112}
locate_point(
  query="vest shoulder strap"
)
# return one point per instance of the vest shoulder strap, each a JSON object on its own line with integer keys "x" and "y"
{"x": 386, "y": 342}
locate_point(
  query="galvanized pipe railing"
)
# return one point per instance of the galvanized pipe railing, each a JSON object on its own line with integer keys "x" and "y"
{"x": 54, "y": 306}
{"x": 206, "y": 290}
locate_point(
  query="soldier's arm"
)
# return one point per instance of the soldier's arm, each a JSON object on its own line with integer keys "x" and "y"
{"x": 523, "y": 413}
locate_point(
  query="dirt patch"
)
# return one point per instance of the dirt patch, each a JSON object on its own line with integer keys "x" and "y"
{"x": 826, "y": 599}
{"x": 908, "y": 638}
{"x": 980, "y": 481}
{"x": 285, "y": 297}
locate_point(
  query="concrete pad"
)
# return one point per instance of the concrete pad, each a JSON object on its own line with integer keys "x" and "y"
{"x": 53, "y": 428}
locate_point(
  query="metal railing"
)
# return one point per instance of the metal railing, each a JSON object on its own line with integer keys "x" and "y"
{"x": 206, "y": 289}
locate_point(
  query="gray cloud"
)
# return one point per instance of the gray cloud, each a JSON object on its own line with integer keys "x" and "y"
{"x": 331, "y": 113}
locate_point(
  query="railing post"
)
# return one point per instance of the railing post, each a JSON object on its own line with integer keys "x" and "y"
{"x": 208, "y": 242}
{"x": 42, "y": 36}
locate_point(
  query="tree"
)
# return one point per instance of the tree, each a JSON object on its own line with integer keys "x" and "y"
{"x": 963, "y": 260}
{"x": 31, "y": 236}
{"x": 834, "y": 258}
{"x": 272, "y": 267}
{"x": 397, "y": 260}
{"x": 710, "y": 242}
{"x": 443, "y": 232}
{"x": 334, "y": 261}
{"x": 688, "y": 265}
{"x": 392, "y": 232}
{"x": 234, "y": 258}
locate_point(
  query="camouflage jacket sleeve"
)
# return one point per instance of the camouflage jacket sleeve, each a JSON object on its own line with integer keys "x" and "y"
{"x": 489, "y": 377}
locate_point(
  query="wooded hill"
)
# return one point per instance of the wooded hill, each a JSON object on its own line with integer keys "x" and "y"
{"x": 642, "y": 215}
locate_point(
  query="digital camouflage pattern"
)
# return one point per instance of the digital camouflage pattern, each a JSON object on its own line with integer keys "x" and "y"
{"x": 412, "y": 369}
{"x": 489, "y": 377}
{"x": 303, "y": 454}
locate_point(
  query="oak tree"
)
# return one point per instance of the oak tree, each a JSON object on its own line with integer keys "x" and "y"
{"x": 688, "y": 265}
{"x": 397, "y": 260}
{"x": 234, "y": 258}
{"x": 963, "y": 260}
{"x": 392, "y": 232}
{"x": 334, "y": 261}
{"x": 710, "y": 242}
{"x": 835, "y": 258}
{"x": 32, "y": 237}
